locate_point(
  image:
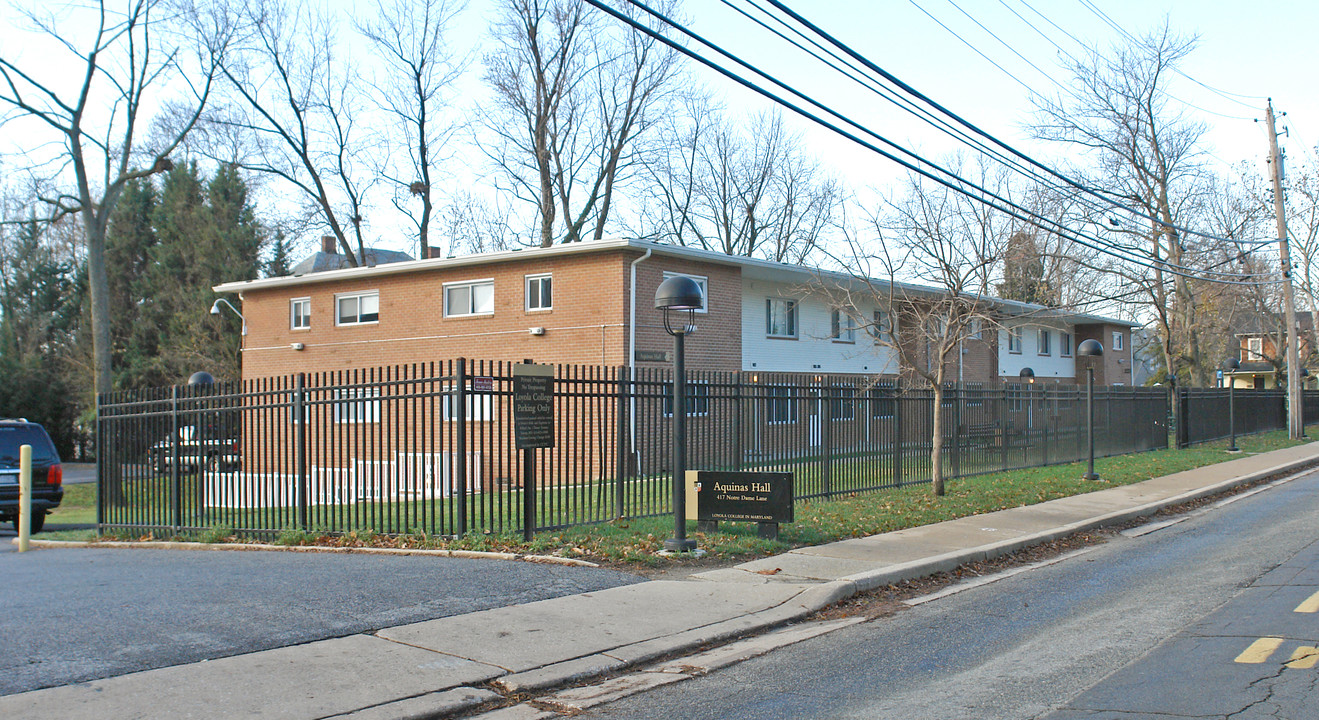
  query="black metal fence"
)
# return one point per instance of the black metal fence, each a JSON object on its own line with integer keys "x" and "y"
{"x": 1205, "y": 414}
{"x": 429, "y": 448}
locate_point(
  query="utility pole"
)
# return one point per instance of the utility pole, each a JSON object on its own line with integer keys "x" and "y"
{"x": 1295, "y": 417}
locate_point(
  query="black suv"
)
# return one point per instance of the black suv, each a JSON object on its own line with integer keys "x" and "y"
{"x": 47, "y": 473}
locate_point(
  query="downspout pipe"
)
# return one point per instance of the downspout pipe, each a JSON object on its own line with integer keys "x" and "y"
{"x": 632, "y": 351}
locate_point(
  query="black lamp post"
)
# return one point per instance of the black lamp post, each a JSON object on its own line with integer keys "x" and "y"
{"x": 1229, "y": 365}
{"x": 1090, "y": 348}
{"x": 1028, "y": 377}
{"x": 679, "y": 297}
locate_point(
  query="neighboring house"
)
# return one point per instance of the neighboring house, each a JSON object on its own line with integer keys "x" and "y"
{"x": 591, "y": 303}
{"x": 1263, "y": 354}
{"x": 330, "y": 259}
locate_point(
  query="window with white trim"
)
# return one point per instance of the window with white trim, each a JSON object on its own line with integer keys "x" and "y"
{"x": 1014, "y": 339}
{"x": 882, "y": 327}
{"x": 476, "y": 297}
{"x": 356, "y": 405}
{"x": 780, "y": 405}
{"x": 540, "y": 292}
{"x": 1117, "y": 341}
{"x": 702, "y": 281}
{"x": 697, "y": 400}
{"x": 780, "y": 318}
{"x": 357, "y": 308}
{"x": 1045, "y": 342}
{"x": 883, "y": 401}
{"x": 1254, "y": 349}
{"x": 1065, "y": 344}
{"x": 300, "y": 314}
{"x": 842, "y": 404}
{"x": 842, "y": 328}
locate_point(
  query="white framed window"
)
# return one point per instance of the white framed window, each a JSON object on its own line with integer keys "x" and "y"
{"x": 883, "y": 327}
{"x": 300, "y": 314}
{"x": 356, "y": 405}
{"x": 357, "y": 308}
{"x": 701, "y": 281}
{"x": 697, "y": 400}
{"x": 473, "y": 297}
{"x": 477, "y": 403}
{"x": 780, "y": 318}
{"x": 842, "y": 406}
{"x": 1045, "y": 342}
{"x": 1254, "y": 349}
{"x": 842, "y": 328}
{"x": 883, "y": 402}
{"x": 1065, "y": 344}
{"x": 780, "y": 405}
{"x": 974, "y": 328}
{"x": 540, "y": 292}
{"x": 1117, "y": 341}
{"x": 1014, "y": 340}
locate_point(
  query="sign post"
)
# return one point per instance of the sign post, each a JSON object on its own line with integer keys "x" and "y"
{"x": 764, "y": 498}
{"x": 533, "y": 427}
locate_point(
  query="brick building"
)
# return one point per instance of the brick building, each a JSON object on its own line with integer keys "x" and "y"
{"x": 591, "y": 303}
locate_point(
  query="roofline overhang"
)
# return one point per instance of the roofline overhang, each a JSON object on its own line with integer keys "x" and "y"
{"x": 763, "y": 268}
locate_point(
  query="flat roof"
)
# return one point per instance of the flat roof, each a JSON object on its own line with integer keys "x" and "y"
{"x": 752, "y": 267}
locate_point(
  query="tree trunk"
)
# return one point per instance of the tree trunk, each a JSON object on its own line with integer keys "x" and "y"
{"x": 936, "y": 443}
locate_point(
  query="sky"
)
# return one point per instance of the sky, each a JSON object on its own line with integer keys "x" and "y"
{"x": 1247, "y": 53}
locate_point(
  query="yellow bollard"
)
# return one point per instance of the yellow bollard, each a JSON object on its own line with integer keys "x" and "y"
{"x": 24, "y": 497}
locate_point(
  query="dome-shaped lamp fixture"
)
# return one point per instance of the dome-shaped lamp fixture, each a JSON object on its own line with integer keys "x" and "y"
{"x": 679, "y": 293}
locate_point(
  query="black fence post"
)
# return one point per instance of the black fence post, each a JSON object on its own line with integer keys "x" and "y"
{"x": 826, "y": 436}
{"x": 460, "y": 446}
{"x": 1180, "y": 401}
{"x": 175, "y": 486}
{"x": 897, "y": 433}
{"x": 957, "y": 404}
{"x": 623, "y": 447}
{"x": 300, "y": 447}
{"x": 1003, "y": 410}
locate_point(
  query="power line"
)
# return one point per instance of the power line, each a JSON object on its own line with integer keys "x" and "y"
{"x": 1102, "y": 195}
{"x": 956, "y": 183}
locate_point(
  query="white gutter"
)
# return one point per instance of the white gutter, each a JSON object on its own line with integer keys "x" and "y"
{"x": 632, "y": 318}
{"x": 632, "y": 351}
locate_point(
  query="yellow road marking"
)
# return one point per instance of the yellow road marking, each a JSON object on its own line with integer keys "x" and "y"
{"x": 1304, "y": 658}
{"x": 1310, "y": 605}
{"x": 1260, "y": 650}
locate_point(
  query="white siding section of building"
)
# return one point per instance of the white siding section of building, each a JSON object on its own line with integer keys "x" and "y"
{"x": 1053, "y": 365}
{"x": 813, "y": 350}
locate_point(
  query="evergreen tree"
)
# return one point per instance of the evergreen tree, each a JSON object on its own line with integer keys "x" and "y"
{"x": 1023, "y": 272}
{"x": 281, "y": 261}
{"x": 130, "y": 240}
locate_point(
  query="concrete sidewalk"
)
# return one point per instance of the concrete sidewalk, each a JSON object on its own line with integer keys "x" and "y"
{"x": 443, "y": 666}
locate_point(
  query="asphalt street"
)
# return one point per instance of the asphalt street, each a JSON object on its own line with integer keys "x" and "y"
{"x": 1141, "y": 626}
{"x": 79, "y": 614}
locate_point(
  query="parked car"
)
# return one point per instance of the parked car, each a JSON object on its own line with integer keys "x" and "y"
{"x": 47, "y": 472}
{"x": 210, "y": 449}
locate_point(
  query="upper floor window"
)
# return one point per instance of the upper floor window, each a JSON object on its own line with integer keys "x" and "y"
{"x": 974, "y": 328}
{"x": 702, "y": 281}
{"x": 300, "y": 313}
{"x": 1117, "y": 341}
{"x": 357, "y": 308}
{"x": 1065, "y": 344}
{"x": 1014, "y": 339}
{"x": 842, "y": 328}
{"x": 476, "y": 297}
{"x": 1254, "y": 349}
{"x": 1046, "y": 342}
{"x": 540, "y": 292}
{"x": 882, "y": 329}
{"x": 781, "y": 318}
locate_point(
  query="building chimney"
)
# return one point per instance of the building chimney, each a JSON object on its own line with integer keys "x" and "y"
{"x": 433, "y": 251}
{"x": 329, "y": 245}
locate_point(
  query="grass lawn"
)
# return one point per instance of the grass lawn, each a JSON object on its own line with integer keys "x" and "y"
{"x": 817, "y": 522}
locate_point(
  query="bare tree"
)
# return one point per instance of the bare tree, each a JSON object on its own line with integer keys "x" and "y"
{"x": 1146, "y": 155}
{"x": 412, "y": 38}
{"x": 1303, "y": 226}
{"x": 292, "y": 112}
{"x": 572, "y": 98}
{"x": 96, "y": 120}
{"x": 948, "y": 245}
{"x": 751, "y": 190}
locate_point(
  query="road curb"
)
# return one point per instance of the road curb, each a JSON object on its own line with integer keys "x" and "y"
{"x": 947, "y": 562}
{"x": 262, "y": 547}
